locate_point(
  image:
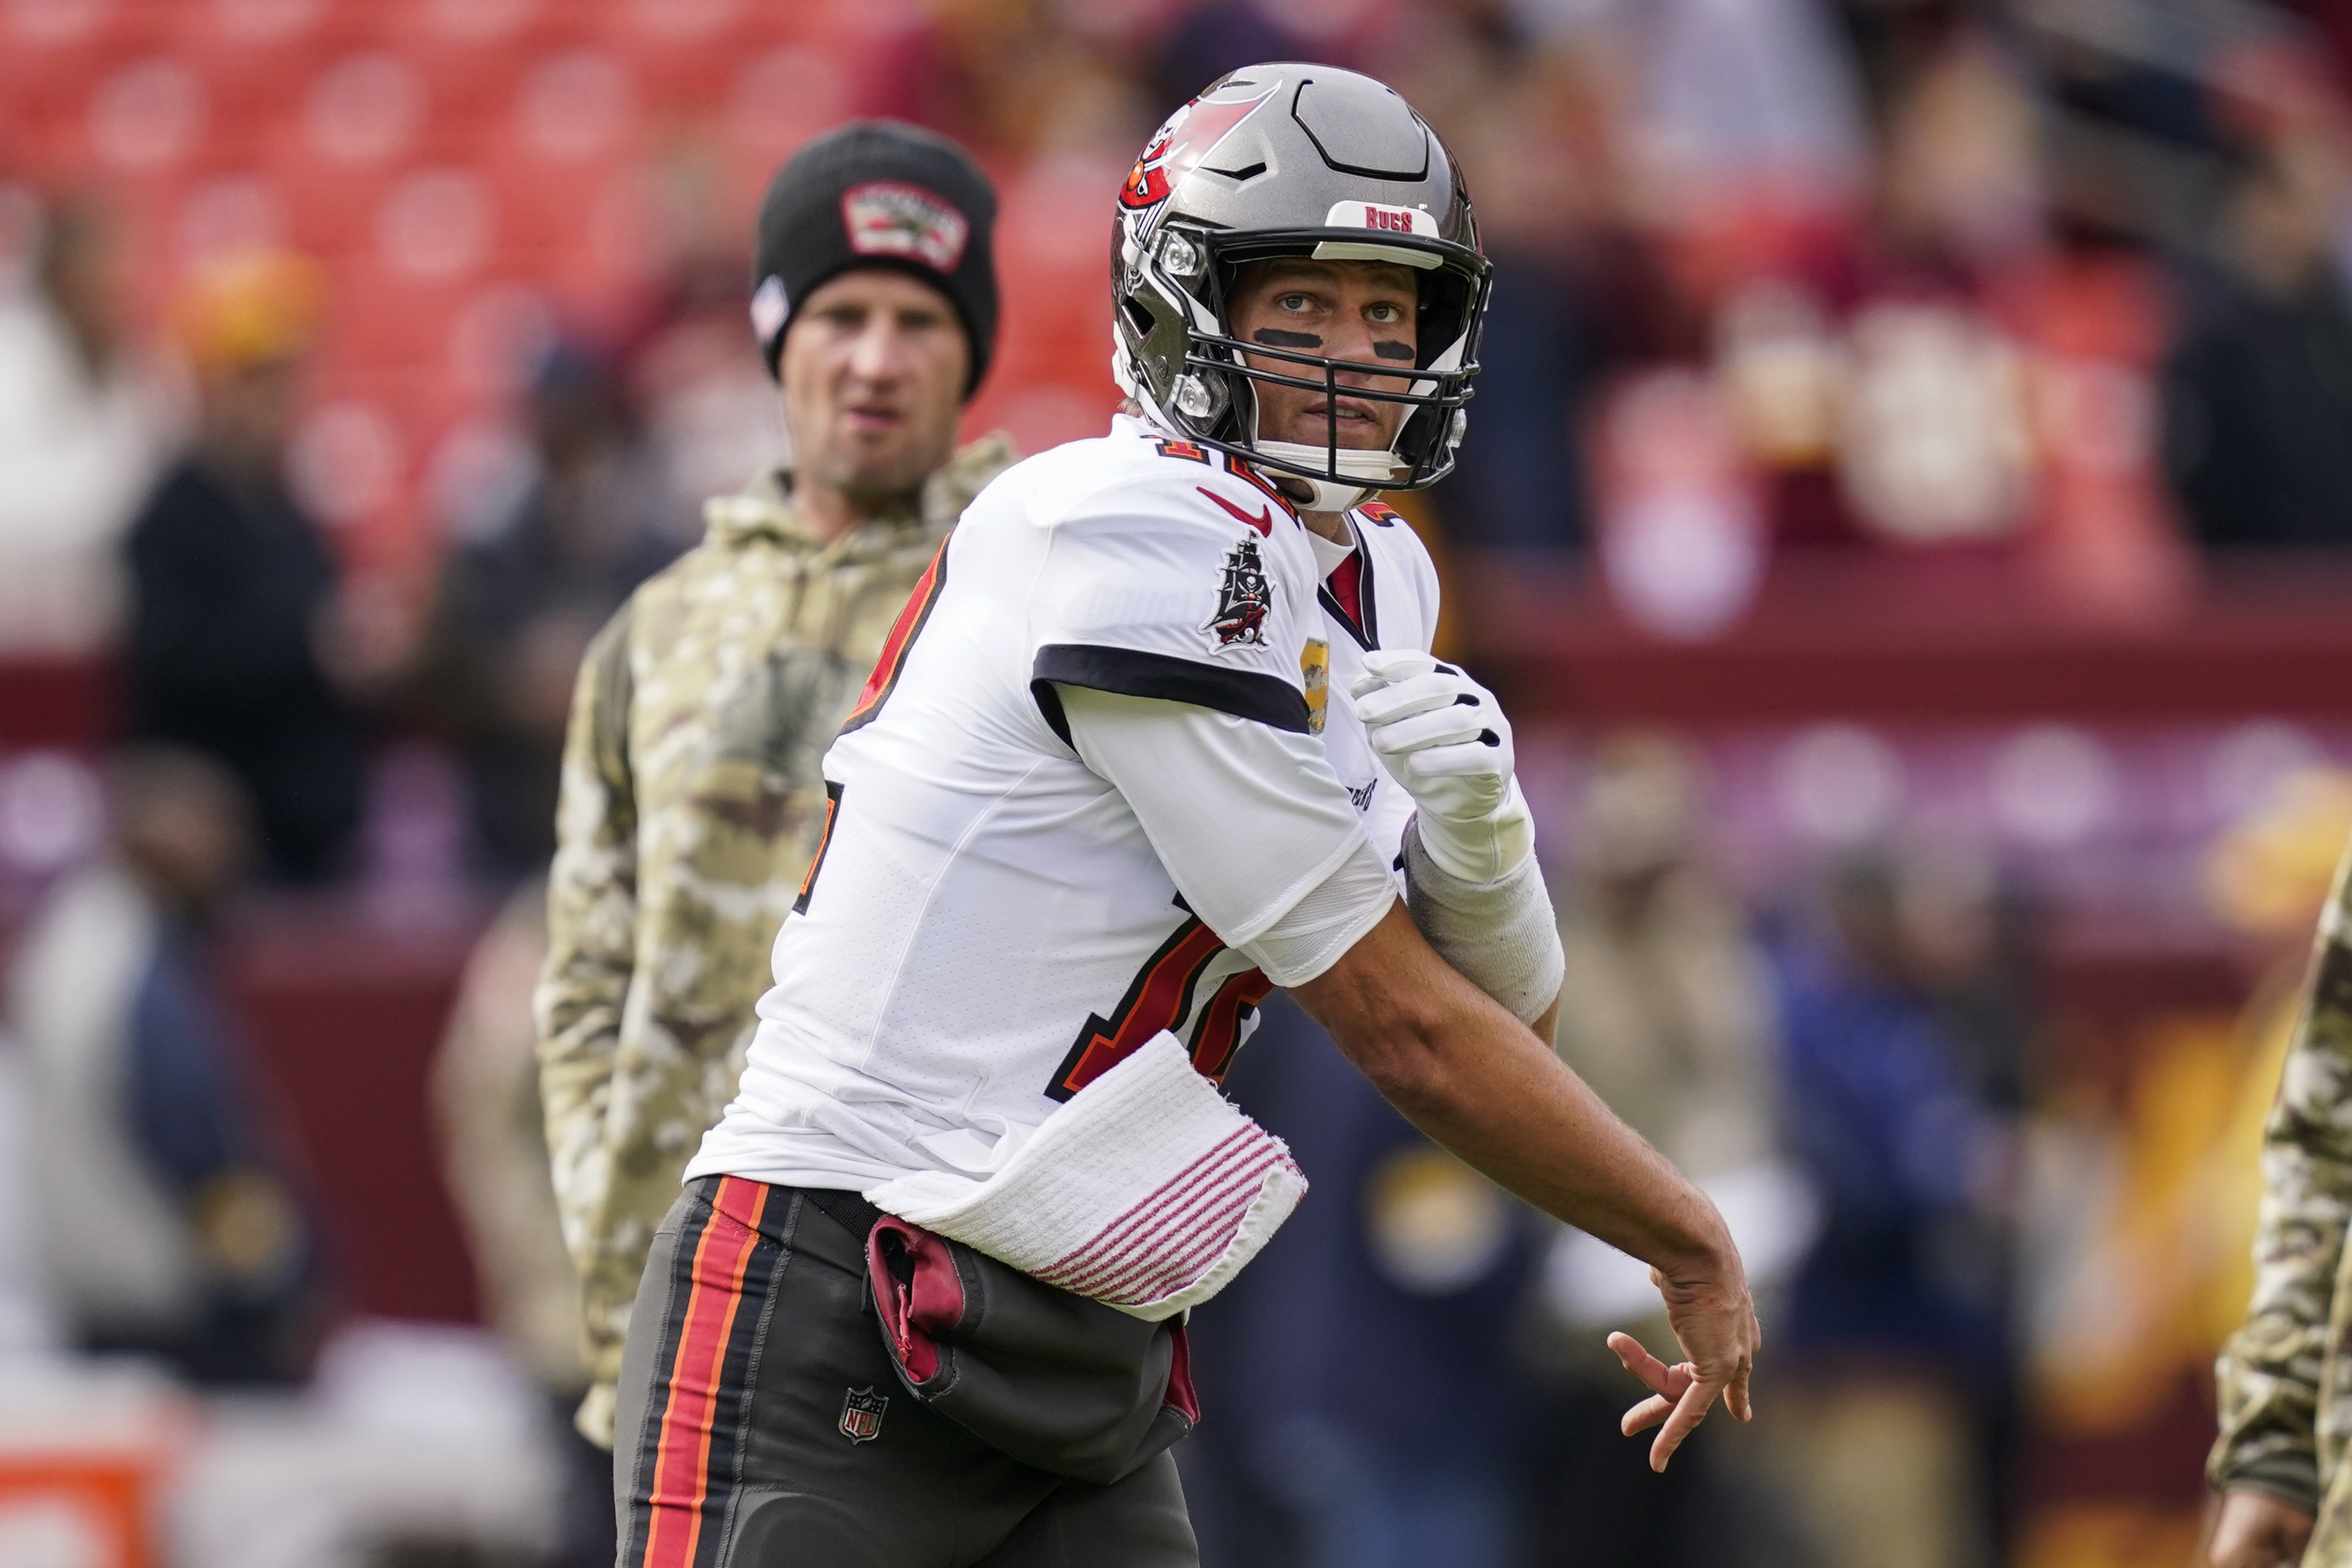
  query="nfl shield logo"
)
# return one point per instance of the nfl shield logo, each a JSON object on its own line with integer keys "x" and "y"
{"x": 861, "y": 1414}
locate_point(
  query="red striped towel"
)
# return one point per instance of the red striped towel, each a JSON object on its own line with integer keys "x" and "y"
{"x": 1148, "y": 1190}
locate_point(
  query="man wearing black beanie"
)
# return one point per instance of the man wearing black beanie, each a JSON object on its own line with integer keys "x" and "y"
{"x": 691, "y": 801}
{"x": 879, "y": 195}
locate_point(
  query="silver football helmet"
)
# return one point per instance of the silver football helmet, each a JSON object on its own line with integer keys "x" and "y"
{"x": 1296, "y": 160}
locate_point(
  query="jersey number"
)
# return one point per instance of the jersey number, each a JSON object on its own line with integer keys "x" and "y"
{"x": 1159, "y": 997}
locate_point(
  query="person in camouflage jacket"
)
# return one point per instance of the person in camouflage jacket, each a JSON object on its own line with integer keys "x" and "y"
{"x": 2285, "y": 1376}
{"x": 692, "y": 800}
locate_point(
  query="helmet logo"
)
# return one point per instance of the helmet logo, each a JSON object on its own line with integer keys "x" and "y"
{"x": 1189, "y": 135}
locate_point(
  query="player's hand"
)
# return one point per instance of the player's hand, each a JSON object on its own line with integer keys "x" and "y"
{"x": 2254, "y": 1529}
{"x": 1440, "y": 732}
{"x": 1443, "y": 738}
{"x": 1714, "y": 1323}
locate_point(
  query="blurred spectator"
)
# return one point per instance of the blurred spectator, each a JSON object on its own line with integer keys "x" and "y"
{"x": 27, "y": 1312}
{"x": 1669, "y": 1018}
{"x": 236, "y": 632}
{"x": 2258, "y": 401}
{"x": 1673, "y": 1016}
{"x": 517, "y": 607}
{"x": 494, "y": 1157}
{"x": 1365, "y": 1410}
{"x": 711, "y": 415}
{"x": 171, "y": 1228}
{"x": 1522, "y": 120}
{"x": 1207, "y": 40}
{"x": 82, "y": 425}
{"x": 1902, "y": 1039}
{"x": 1520, "y": 485}
{"x": 1682, "y": 535}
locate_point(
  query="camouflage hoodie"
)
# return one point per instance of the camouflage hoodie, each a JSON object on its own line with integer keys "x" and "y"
{"x": 2287, "y": 1374}
{"x": 690, "y": 804}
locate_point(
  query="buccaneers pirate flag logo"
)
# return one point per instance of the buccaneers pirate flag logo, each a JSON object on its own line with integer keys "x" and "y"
{"x": 861, "y": 1413}
{"x": 1244, "y": 597}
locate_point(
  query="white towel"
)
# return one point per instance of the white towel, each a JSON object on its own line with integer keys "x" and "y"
{"x": 1148, "y": 1190}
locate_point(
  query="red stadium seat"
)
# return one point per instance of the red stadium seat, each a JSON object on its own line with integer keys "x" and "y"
{"x": 573, "y": 123}
{"x": 777, "y": 99}
{"x": 362, "y": 109}
{"x": 147, "y": 116}
{"x": 684, "y": 51}
{"x": 53, "y": 51}
{"x": 223, "y": 214}
{"x": 332, "y": 208}
{"x": 381, "y": 318}
{"x": 259, "y": 59}
{"x": 473, "y": 52}
{"x": 495, "y": 339}
{"x": 437, "y": 227}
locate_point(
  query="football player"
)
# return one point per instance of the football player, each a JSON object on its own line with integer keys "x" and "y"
{"x": 1113, "y": 780}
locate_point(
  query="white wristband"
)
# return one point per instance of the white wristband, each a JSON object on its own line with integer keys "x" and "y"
{"x": 1501, "y": 935}
{"x": 1482, "y": 848}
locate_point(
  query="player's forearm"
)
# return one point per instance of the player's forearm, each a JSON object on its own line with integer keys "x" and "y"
{"x": 1547, "y": 1028}
{"x": 1479, "y": 1082}
{"x": 1492, "y": 1094}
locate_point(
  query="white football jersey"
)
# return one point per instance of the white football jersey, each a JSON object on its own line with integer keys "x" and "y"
{"x": 987, "y": 927}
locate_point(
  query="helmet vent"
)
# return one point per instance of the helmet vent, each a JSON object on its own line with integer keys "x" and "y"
{"x": 1383, "y": 132}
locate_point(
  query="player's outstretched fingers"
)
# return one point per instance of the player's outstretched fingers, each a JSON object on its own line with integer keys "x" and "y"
{"x": 1688, "y": 1413}
{"x": 1666, "y": 1384}
{"x": 1656, "y": 1375}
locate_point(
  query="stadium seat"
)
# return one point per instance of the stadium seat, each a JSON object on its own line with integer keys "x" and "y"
{"x": 437, "y": 227}
{"x": 495, "y": 339}
{"x": 361, "y": 109}
{"x": 53, "y": 51}
{"x": 146, "y": 116}
{"x": 573, "y": 125}
{"x": 472, "y": 55}
{"x": 375, "y": 332}
{"x": 227, "y": 213}
{"x": 774, "y": 101}
{"x": 332, "y": 208}
{"x": 684, "y": 51}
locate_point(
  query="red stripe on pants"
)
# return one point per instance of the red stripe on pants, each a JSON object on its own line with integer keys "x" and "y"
{"x": 682, "y": 1462}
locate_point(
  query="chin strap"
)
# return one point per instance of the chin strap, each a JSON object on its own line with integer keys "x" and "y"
{"x": 1375, "y": 467}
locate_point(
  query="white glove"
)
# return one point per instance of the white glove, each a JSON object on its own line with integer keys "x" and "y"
{"x": 1443, "y": 738}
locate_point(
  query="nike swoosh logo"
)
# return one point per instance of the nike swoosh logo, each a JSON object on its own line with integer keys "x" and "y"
{"x": 1263, "y": 522}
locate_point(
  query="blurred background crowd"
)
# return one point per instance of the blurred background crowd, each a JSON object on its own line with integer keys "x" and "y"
{"x": 1906, "y": 510}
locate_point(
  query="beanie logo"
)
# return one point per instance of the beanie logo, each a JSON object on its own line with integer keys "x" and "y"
{"x": 888, "y": 217}
{"x": 770, "y": 307}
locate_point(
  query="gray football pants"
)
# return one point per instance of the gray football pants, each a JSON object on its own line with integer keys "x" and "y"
{"x": 761, "y": 1425}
